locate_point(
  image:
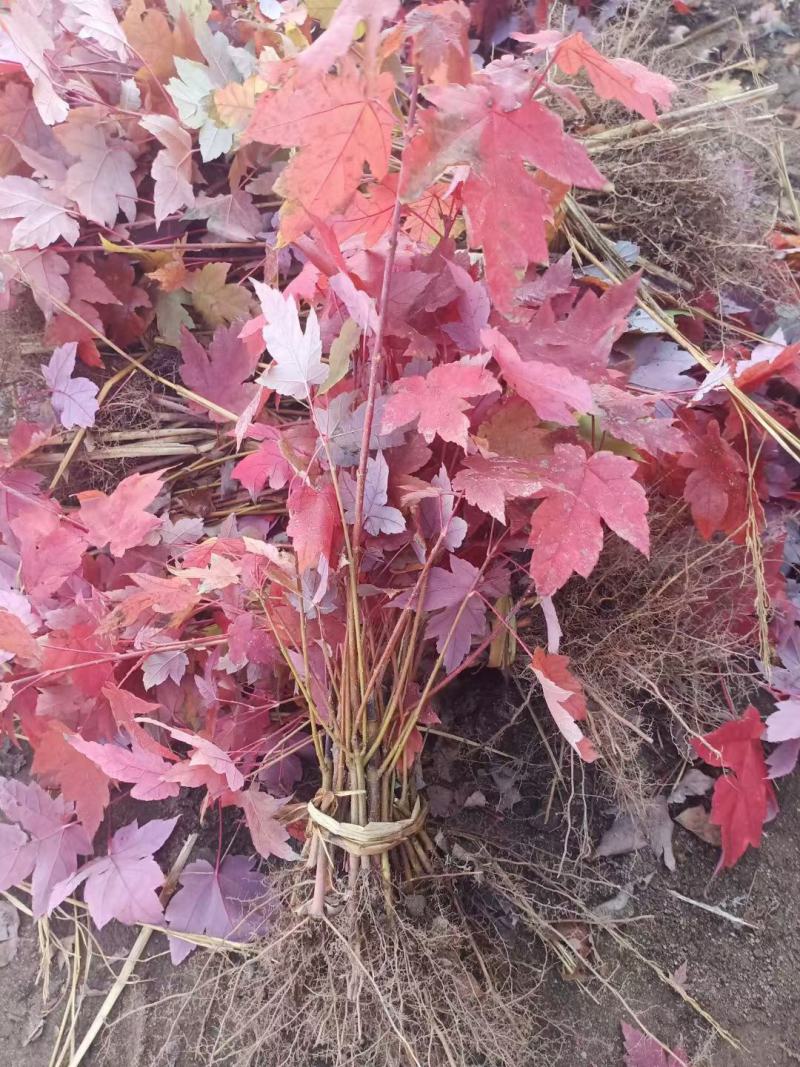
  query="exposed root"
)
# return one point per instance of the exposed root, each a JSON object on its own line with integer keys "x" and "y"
{"x": 363, "y": 987}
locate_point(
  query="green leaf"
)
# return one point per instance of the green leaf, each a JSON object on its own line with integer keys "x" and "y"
{"x": 341, "y": 351}
{"x": 171, "y": 314}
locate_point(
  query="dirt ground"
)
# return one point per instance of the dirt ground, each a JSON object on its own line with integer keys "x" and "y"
{"x": 744, "y": 976}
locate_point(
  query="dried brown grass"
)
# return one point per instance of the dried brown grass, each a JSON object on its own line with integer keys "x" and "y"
{"x": 698, "y": 198}
{"x": 660, "y": 646}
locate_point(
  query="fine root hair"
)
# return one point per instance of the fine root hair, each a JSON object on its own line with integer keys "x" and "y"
{"x": 370, "y": 988}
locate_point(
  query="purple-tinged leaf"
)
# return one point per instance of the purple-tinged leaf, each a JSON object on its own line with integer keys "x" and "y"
{"x": 123, "y": 884}
{"x": 74, "y": 400}
{"x": 159, "y": 666}
{"x": 56, "y": 840}
{"x": 233, "y": 902}
{"x": 644, "y": 1051}
{"x": 378, "y": 516}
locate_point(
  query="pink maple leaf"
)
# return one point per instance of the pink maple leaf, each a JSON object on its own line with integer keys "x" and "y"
{"x": 120, "y": 519}
{"x": 266, "y": 466}
{"x": 208, "y": 764}
{"x": 554, "y": 392}
{"x": 579, "y": 341}
{"x": 42, "y": 214}
{"x": 437, "y": 401}
{"x": 221, "y": 373}
{"x": 579, "y": 494}
{"x": 51, "y": 548}
{"x": 634, "y": 419}
{"x": 74, "y": 400}
{"x": 143, "y": 768}
{"x": 122, "y": 885}
{"x": 270, "y": 836}
{"x": 489, "y": 482}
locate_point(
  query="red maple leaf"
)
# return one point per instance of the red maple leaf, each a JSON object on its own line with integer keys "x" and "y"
{"x": 221, "y": 373}
{"x": 717, "y": 489}
{"x": 768, "y": 360}
{"x": 579, "y": 494}
{"x": 496, "y": 130}
{"x": 620, "y": 79}
{"x": 744, "y": 799}
{"x": 339, "y": 125}
{"x": 554, "y": 392}
{"x": 267, "y": 465}
{"x": 438, "y": 401}
{"x": 314, "y": 523}
{"x": 57, "y": 763}
{"x": 564, "y": 697}
{"x": 490, "y": 482}
{"x": 119, "y": 519}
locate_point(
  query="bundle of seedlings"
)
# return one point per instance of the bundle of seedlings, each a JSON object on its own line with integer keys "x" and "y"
{"x": 438, "y": 423}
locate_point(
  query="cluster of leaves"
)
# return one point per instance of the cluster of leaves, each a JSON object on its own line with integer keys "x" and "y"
{"x": 431, "y": 405}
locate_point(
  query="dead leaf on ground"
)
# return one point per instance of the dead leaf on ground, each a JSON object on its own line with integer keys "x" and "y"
{"x": 617, "y": 907}
{"x": 9, "y": 932}
{"x": 505, "y": 779}
{"x": 695, "y": 783}
{"x": 629, "y": 833}
{"x": 578, "y": 937}
{"x": 680, "y": 975}
{"x": 624, "y": 835}
{"x": 698, "y": 822}
{"x": 442, "y": 801}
